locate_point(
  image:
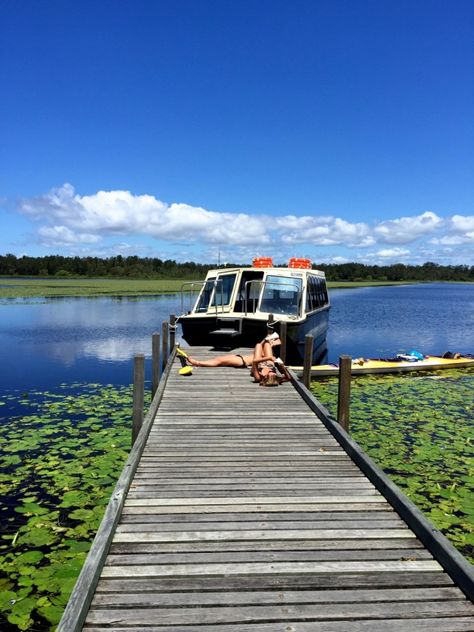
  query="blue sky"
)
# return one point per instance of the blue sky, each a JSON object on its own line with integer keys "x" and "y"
{"x": 341, "y": 130}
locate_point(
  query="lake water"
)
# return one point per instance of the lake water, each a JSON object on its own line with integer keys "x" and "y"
{"x": 46, "y": 342}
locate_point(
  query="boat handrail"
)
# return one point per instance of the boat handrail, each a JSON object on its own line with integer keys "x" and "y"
{"x": 202, "y": 284}
{"x": 262, "y": 283}
{"x": 221, "y": 281}
{"x": 246, "y": 294}
{"x": 188, "y": 292}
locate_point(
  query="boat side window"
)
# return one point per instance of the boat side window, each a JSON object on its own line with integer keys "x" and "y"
{"x": 281, "y": 295}
{"x": 324, "y": 292}
{"x": 316, "y": 295}
{"x": 224, "y": 287}
{"x": 205, "y": 296}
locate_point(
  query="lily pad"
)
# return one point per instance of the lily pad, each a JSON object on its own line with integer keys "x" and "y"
{"x": 57, "y": 476}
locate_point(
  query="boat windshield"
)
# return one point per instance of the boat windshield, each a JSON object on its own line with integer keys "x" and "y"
{"x": 281, "y": 295}
{"x": 205, "y": 296}
{"x": 224, "y": 287}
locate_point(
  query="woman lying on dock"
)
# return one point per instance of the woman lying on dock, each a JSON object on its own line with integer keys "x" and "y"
{"x": 262, "y": 363}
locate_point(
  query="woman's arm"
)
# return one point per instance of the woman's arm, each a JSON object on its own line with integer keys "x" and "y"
{"x": 282, "y": 368}
{"x": 254, "y": 371}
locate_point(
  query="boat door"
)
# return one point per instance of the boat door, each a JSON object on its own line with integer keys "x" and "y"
{"x": 222, "y": 296}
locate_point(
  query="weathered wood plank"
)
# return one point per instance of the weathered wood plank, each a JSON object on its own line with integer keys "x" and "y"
{"x": 267, "y": 545}
{"x": 260, "y": 598}
{"x": 285, "y": 612}
{"x": 296, "y": 581}
{"x": 310, "y": 555}
{"x": 275, "y": 568}
{"x": 144, "y": 526}
{"x": 236, "y": 477}
{"x": 144, "y": 508}
{"x": 260, "y": 534}
{"x": 260, "y": 501}
{"x": 441, "y": 624}
{"x": 378, "y": 512}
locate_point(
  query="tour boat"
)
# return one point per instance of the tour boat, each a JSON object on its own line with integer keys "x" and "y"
{"x": 237, "y": 306}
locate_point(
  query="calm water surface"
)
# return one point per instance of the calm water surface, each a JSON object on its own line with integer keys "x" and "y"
{"x": 383, "y": 321}
{"x": 46, "y": 342}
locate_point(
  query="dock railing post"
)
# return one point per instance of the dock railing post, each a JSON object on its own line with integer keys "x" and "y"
{"x": 164, "y": 341}
{"x": 344, "y": 391}
{"x": 269, "y": 324}
{"x": 172, "y": 331}
{"x": 155, "y": 362}
{"x": 138, "y": 394}
{"x": 308, "y": 360}
{"x": 283, "y": 335}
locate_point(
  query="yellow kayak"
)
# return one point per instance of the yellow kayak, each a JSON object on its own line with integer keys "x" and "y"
{"x": 363, "y": 366}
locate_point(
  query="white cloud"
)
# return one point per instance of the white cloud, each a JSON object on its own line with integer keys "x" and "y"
{"x": 453, "y": 240}
{"x": 460, "y": 231}
{"x": 407, "y": 229}
{"x": 462, "y": 224}
{"x": 324, "y": 231}
{"x": 390, "y": 253}
{"x": 61, "y": 235}
{"x": 120, "y": 212}
{"x": 336, "y": 259}
{"x": 184, "y": 232}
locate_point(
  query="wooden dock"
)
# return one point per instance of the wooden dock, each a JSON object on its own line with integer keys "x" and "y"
{"x": 247, "y": 509}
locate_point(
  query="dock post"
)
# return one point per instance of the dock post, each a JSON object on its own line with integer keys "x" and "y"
{"x": 164, "y": 341}
{"x": 283, "y": 335}
{"x": 155, "y": 362}
{"x": 269, "y": 327}
{"x": 138, "y": 394}
{"x": 344, "y": 391}
{"x": 308, "y": 360}
{"x": 172, "y": 331}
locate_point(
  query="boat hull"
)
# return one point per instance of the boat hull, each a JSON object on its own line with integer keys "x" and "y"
{"x": 200, "y": 330}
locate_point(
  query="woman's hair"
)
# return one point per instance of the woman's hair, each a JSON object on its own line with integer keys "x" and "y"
{"x": 270, "y": 380}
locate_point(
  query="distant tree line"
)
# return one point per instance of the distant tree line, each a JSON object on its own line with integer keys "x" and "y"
{"x": 397, "y": 272}
{"x": 154, "y": 268}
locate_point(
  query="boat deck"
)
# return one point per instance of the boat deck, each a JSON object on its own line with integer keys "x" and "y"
{"x": 246, "y": 514}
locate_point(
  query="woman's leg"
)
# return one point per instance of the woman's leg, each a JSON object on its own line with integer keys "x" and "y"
{"x": 267, "y": 349}
{"x": 224, "y": 360}
{"x": 258, "y": 351}
{"x": 262, "y": 351}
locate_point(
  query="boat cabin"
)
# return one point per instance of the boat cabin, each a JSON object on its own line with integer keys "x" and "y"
{"x": 238, "y": 302}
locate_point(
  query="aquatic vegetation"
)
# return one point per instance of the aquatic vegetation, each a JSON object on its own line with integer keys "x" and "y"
{"x": 55, "y": 287}
{"x": 61, "y": 456}
{"x": 419, "y": 428}
{"x": 27, "y": 287}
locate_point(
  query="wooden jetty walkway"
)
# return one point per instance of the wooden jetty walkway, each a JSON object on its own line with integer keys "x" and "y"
{"x": 248, "y": 509}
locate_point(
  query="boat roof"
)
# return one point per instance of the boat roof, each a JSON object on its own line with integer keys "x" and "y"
{"x": 283, "y": 270}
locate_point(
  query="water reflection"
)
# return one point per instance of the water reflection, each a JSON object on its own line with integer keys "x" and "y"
{"x": 116, "y": 349}
{"x": 50, "y": 341}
